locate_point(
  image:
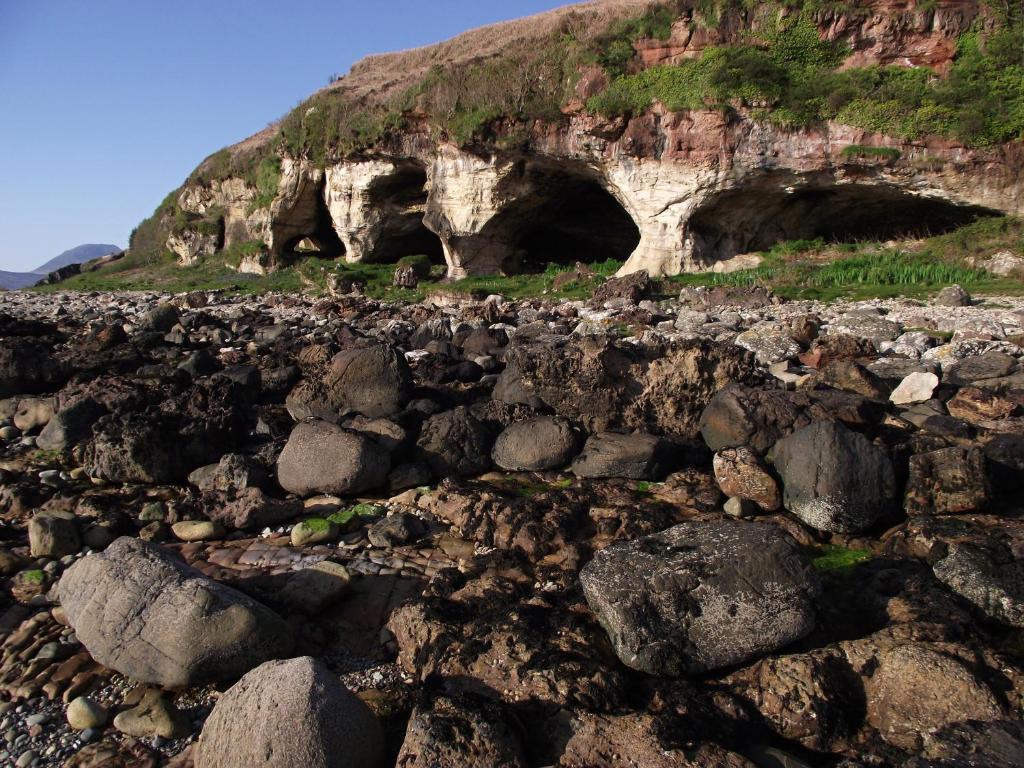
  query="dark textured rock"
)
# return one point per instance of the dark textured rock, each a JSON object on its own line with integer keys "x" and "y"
{"x": 835, "y": 479}
{"x": 546, "y": 442}
{"x": 234, "y": 472}
{"x": 637, "y": 457}
{"x": 28, "y": 368}
{"x": 607, "y": 385}
{"x": 988, "y": 575}
{"x": 289, "y": 714}
{"x": 631, "y": 288}
{"x": 701, "y": 596}
{"x": 250, "y": 509}
{"x": 323, "y": 458}
{"x": 372, "y": 380}
{"x": 947, "y": 482}
{"x": 455, "y": 736}
{"x": 396, "y": 530}
{"x": 70, "y": 425}
{"x": 739, "y": 416}
{"x": 53, "y": 534}
{"x": 143, "y": 613}
{"x": 456, "y": 443}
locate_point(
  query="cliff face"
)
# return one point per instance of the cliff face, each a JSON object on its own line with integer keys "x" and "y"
{"x": 673, "y": 191}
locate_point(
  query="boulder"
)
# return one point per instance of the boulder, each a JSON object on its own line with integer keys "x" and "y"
{"x": 637, "y": 457}
{"x": 952, "y": 296}
{"x": 701, "y": 596}
{"x": 629, "y": 288}
{"x": 536, "y": 445}
{"x": 988, "y": 575}
{"x": 162, "y": 318}
{"x": 154, "y": 715}
{"x": 741, "y": 473}
{"x": 917, "y": 690}
{"x": 250, "y": 509}
{"x": 233, "y": 472}
{"x": 835, "y": 479}
{"x": 739, "y": 416}
{"x": 949, "y": 481}
{"x": 372, "y": 380}
{"x": 289, "y": 714}
{"x": 770, "y": 343}
{"x": 454, "y": 736}
{"x": 28, "y": 368}
{"x": 53, "y": 534}
{"x": 33, "y": 413}
{"x": 323, "y": 458}
{"x": 147, "y": 615}
{"x": 70, "y": 425}
{"x": 455, "y": 444}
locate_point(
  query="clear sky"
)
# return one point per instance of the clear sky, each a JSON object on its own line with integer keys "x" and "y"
{"x": 107, "y": 105}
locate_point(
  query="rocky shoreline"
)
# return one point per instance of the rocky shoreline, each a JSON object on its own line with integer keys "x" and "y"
{"x": 720, "y": 529}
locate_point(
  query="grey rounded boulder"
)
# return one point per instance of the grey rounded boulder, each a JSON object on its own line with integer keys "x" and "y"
{"x": 323, "y": 458}
{"x": 143, "y": 613}
{"x": 701, "y": 596}
{"x": 835, "y": 479}
{"x": 636, "y": 457}
{"x": 535, "y": 445}
{"x": 290, "y": 714}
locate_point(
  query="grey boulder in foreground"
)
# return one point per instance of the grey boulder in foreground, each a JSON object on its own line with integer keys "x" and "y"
{"x": 701, "y": 596}
{"x": 149, "y": 616}
{"x": 290, "y": 714}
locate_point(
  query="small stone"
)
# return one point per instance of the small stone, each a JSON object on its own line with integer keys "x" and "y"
{"x": 26, "y": 759}
{"x": 736, "y": 507}
{"x": 154, "y": 716}
{"x": 84, "y": 714}
{"x": 53, "y": 534}
{"x": 314, "y": 531}
{"x": 197, "y": 530}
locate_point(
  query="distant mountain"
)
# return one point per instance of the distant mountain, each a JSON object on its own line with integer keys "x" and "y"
{"x": 12, "y": 281}
{"x": 79, "y": 255}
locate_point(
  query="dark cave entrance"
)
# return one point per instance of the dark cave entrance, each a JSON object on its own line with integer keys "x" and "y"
{"x": 401, "y": 198}
{"x": 560, "y": 216}
{"x": 322, "y": 242}
{"x": 747, "y": 220}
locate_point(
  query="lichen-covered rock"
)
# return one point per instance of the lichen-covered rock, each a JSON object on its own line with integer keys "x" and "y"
{"x": 289, "y": 714}
{"x": 701, "y": 596}
{"x": 835, "y": 479}
{"x": 988, "y": 575}
{"x": 152, "y": 618}
{"x": 741, "y": 473}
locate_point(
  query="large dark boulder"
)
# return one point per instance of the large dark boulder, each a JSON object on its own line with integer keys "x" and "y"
{"x": 455, "y": 736}
{"x": 28, "y": 368}
{"x": 609, "y": 385}
{"x": 701, "y": 596}
{"x": 456, "y": 444}
{"x": 290, "y": 714}
{"x": 140, "y": 611}
{"x": 371, "y": 380}
{"x": 835, "y": 479}
{"x": 323, "y": 458}
{"x": 535, "y": 445}
{"x": 740, "y": 416}
{"x": 637, "y": 457}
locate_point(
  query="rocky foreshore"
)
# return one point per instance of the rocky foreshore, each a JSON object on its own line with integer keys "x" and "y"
{"x": 716, "y": 530}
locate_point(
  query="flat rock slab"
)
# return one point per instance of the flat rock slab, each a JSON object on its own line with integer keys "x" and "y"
{"x": 701, "y": 596}
{"x": 141, "y": 612}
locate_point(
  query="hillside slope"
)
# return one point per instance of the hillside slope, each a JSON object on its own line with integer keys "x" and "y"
{"x": 677, "y": 134}
{"x": 77, "y": 255}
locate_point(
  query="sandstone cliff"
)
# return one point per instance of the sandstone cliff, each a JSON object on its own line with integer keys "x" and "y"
{"x": 672, "y": 189}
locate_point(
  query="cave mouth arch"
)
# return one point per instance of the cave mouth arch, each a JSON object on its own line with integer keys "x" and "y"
{"x": 754, "y": 219}
{"x": 560, "y": 215}
{"x": 401, "y": 199}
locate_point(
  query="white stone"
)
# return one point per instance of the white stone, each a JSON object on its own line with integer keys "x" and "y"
{"x": 915, "y": 388}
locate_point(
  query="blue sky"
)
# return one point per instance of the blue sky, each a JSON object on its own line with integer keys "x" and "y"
{"x": 107, "y": 105}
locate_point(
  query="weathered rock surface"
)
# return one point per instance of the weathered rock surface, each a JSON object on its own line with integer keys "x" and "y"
{"x": 458, "y": 737}
{"x": 323, "y": 458}
{"x": 147, "y": 615}
{"x": 701, "y": 596}
{"x": 289, "y": 714}
{"x": 535, "y": 445}
{"x": 637, "y": 457}
{"x": 835, "y": 479}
